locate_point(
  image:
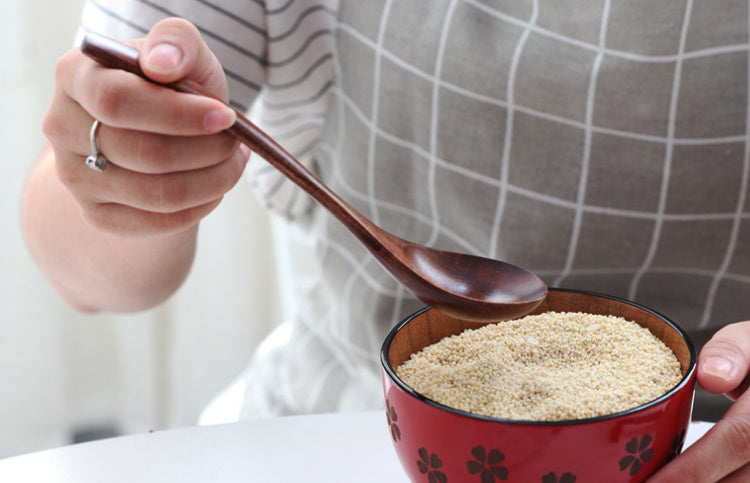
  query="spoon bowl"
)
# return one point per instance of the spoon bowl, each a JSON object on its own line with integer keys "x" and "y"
{"x": 470, "y": 287}
{"x": 465, "y": 286}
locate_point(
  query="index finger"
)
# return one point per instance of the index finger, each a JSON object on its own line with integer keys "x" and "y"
{"x": 124, "y": 100}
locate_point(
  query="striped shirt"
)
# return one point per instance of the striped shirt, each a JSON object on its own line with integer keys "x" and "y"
{"x": 600, "y": 144}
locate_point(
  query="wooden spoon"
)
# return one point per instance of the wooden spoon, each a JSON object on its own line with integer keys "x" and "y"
{"x": 465, "y": 286}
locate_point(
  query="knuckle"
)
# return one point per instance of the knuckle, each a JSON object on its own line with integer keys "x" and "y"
{"x": 109, "y": 101}
{"x": 178, "y": 220}
{"x": 64, "y": 66}
{"x": 235, "y": 168}
{"x": 228, "y": 146}
{"x": 124, "y": 221}
{"x": 61, "y": 67}
{"x": 231, "y": 176}
{"x": 684, "y": 470}
{"x": 98, "y": 217}
{"x": 148, "y": 153}
{"x": 68, "y": 177}
{"x": 53, "y": 126}
{"x": 227, "y": 175}
{"x": 737, "y": 440}
{"x": 151, "y": 153}
{"x": 168, "y": 194}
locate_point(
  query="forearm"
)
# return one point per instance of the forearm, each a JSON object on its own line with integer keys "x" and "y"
{"x": 91, "y": 269}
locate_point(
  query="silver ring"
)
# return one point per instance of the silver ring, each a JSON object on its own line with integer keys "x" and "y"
{"x": 96, "y": 161}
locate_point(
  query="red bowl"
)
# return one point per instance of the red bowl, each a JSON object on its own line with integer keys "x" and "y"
{"x": 439, "y": 444}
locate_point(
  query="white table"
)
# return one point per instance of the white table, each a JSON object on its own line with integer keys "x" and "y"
{"x": 326, "y": 448}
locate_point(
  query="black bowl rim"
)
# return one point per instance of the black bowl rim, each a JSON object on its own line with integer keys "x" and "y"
{"x": 385, "y": 363}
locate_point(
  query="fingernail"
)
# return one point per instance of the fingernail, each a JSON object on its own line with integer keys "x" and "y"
{"x": 218, "y": 119}
{"x": 163, "y": 58}
{"x": 719, "y": 367}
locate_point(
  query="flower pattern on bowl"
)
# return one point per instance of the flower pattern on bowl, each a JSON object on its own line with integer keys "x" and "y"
{"x": 487, "y": 465}
{"x": 552, "y": 477}
{"x": 390, "y": 413}
{"x": 430, "y": 464}
{"x": 639, "y": 452}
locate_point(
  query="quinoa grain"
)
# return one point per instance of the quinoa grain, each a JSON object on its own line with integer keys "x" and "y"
{"x": 554, "y": 366}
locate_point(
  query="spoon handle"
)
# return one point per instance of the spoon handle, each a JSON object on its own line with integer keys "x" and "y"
{"x": 114, "y": 54}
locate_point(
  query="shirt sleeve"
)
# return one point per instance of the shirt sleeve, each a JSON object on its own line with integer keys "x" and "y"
{"x": 294, "y": 103}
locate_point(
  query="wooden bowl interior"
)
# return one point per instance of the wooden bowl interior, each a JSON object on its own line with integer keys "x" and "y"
{"x": 431, "y": 326}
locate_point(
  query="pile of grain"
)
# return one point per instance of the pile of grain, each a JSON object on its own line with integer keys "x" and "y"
{"x": 550, "y": 367}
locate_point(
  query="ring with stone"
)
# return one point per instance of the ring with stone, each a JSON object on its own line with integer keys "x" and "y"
{"x": 96, "y": 161}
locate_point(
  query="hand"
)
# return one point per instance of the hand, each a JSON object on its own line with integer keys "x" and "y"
{"x": 723, "y": 454}
{"x": 169, "y": 163}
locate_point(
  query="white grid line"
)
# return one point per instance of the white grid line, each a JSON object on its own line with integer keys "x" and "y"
{"x": 732, "y": 245}
{"x": 669, "y": 140}
{"x": 621, "y": 54}
{"x": 372, "y": 198}
{"x": 318, "y": 332}
{"x": 325, "y": 242}
{"x": 398, "y": 61}
{"x": 668, "y": 158}
{"x": 374, "y": 113}
{"x": 586, "y": 158}
{"x": 360, "y": 268}
{"x": 397, "y": 208}
{"x": 351, "y": 259}
{"x": 654, "y": 270}
{"x": 434, "y": 118}
{"x": 373, "y": 137}
{"x": 541, "y": 197}
{"x": 398, "y": 303}
{"x": 345, "y": 324}
{"x": 508, "y": 140}
{"x": 740, "y": 138}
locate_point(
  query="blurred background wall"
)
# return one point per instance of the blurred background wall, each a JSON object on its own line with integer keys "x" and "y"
{"x": 63, "y": 374}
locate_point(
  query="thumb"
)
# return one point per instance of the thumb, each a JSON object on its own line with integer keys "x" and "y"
{"x": 724, "y": 361}
{"x": 175, "y": 51}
